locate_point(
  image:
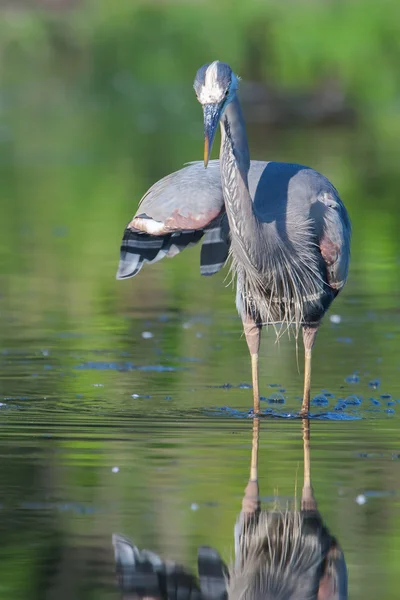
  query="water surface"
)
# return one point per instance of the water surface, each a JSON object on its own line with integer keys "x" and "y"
{"x": 141, "y": 428}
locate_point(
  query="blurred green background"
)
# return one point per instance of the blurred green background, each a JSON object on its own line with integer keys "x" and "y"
{"x": 96, "y": 104}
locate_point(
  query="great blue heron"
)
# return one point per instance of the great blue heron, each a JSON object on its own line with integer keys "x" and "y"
{"x": 283, "y": 225}
{"x": 279, "y": 554}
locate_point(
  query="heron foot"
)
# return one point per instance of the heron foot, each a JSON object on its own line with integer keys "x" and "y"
{"x": 252, "y": 414}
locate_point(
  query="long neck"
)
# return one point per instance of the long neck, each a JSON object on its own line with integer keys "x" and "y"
{"x": 235, "y": 164}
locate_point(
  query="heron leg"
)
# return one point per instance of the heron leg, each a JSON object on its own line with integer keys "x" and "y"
{"x": 252, "y": 331}
{"x": 251, "y": 500}
{"x": 309, "y": 335}
{"x": 308, "y": 501}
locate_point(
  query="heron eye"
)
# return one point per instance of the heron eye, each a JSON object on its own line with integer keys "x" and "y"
{"x": 226, "y": 93}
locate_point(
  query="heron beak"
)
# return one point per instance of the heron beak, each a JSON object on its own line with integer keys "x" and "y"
{"x": 212, "y": 115}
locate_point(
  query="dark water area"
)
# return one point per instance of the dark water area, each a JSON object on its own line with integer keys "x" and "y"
{"x": 124, "y": 406}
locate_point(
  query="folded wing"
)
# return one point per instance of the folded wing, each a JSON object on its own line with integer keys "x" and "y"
{"x": 334, "y": 240}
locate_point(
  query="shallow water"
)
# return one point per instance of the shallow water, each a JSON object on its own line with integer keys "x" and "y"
{"x": 143, "y": 429}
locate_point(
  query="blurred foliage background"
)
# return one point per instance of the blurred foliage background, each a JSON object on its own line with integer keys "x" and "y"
{"x": 96, "y": 103}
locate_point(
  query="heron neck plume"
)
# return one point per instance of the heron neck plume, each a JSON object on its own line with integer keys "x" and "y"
{"x": 235, "y": 165}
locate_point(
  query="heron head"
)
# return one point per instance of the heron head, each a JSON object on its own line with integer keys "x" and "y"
{"x": 215, "y": 85}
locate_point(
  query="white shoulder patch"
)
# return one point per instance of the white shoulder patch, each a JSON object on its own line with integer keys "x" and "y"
{"x": 148, "y": 226}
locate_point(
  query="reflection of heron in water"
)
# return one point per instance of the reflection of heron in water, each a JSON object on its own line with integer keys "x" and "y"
{"x": 285, "y": 555}
{"x": 279, "y": 554}
{"x": 143, "y": 574}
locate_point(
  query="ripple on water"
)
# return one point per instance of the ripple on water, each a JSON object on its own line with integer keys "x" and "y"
{"x": 269, "y": 412}
{"x": 126, "y": 366}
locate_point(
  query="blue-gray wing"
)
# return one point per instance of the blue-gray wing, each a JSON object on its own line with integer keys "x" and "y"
{"x": 334, "y": 231}
{"x": 289, "y": 199}
{"x": 175, "y": 214}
